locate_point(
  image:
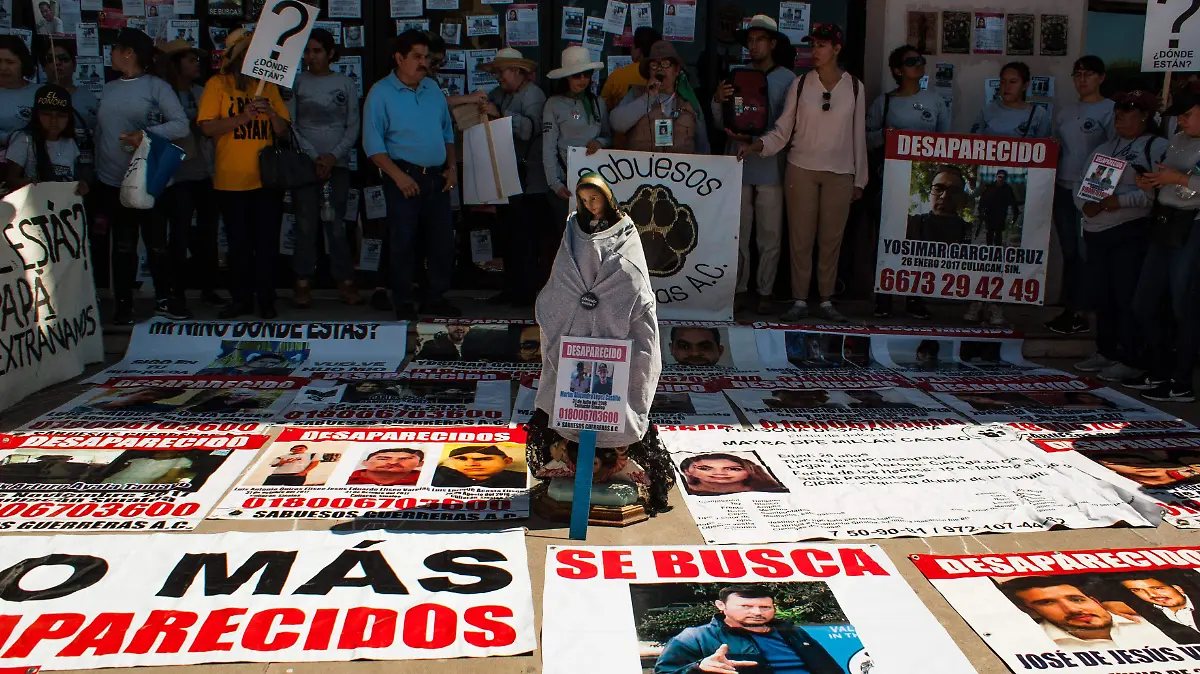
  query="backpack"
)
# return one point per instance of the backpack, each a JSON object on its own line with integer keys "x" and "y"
{"x": 748, "y": 109}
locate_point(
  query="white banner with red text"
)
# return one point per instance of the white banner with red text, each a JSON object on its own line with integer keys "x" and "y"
{"x": 676, "y": 609}
{"x": 117, "y": 482}
{"x": 966, "y": 217}
{"x": 1107, "y": 611}
{"x": 88, "y": 602}
{"x": 468, "y": 474}
{"x": 762, "y": 486}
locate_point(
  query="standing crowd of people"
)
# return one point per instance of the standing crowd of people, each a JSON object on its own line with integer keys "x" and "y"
{"x": 819, "y": 153}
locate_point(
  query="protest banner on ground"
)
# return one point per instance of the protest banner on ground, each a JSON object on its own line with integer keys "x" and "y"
{"x": 1164, "y": 467}
{"x": 86, "y": 602}
{"x": 524, "y": 403}
{"x": 260, "y": 349}
{"x": 690, "y": 404}
{"x": 859, "y": 402}
{"x": 446, "y": 350}
{"x": 398, "y": 399}
{"x": 106, "y": 482}
{"x": 841, "y": 608}
{"x": 966, "y": 217}
{"x": 687, "y": 209}
{"x": 1050, "y": 405}
{"x": 1107, "y": 611}
{"x": 468, "y": 474}
{"x": 49, "y": 323}
{"x": 940, "y": 353}
{"x": 791, "y": 351}
{"x": 141, "y": 405}
{"x": 763, "y": 486}
{"x": 699, "y": 352}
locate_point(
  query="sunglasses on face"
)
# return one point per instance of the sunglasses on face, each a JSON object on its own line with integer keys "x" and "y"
{"x": 580, "y": 76}
{"x": 914, "y": 61}
{"x": 828, "y": 96}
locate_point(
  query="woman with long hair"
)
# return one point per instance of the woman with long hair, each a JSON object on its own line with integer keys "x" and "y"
{"x": 719, "y": 473}
{"x": 45, "y": 150}
{"x": 243, "y": 123}
{"x": 16, "y": 93}
{"x": 131, "y": 106}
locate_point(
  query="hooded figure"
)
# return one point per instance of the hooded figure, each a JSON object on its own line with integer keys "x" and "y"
{"x": 600, "y": 287}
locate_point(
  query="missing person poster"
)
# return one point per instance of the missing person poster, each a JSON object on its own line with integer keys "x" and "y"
{"x": 90, "y": 602}
{"x": 761, "y": 486}
{"x": 686, "y": 208}
{"x": 1165, "y": 468}
{"x": 1051, "y": 405}
{"x": 260, "y": 349}
{"x": 467, "y": 474}
{"x": 117, "y": 482}
{"x": 700, "y": 404}
{"x": 592, "y": 390}
{"x": 446, "y": 350}
{"x": 790, "y": 351}
{"x": 400, "y": 400}
{"x": 1101, "y": 177}
{"x": 700, "y": 352}
{"x": 1114, "y": 611}
{"x": 941, "y": 353}
{"x": 966, "y": 217}
{"x": 814, "y": 608}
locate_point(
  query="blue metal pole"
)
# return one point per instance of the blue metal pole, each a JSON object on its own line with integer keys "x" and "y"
{"x": 581, "y": 504}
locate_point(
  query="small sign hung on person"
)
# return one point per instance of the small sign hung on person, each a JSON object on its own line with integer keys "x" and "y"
{"x": 1101, "y": 178}
{"x": 593, "y": 381}
{"x": 278, "y": 42}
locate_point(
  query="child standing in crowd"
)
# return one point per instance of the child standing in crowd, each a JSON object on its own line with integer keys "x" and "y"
{"x": 191, "y": 191}
{"x": 1116, "y": 231}
{"x": 45, "y": 150}
{"x": 1172, "y": 267}
{"x": 131, "y": 106}
{"x": 1010, "y": 115}
{"x": 324, "y": 107}
{"x": 243, "y": 124}
{"x": 1080, "y": 128}
{"x": 910, "y": 108}
{"x": 16, "y": 93}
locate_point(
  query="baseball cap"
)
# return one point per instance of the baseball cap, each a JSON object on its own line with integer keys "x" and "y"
{"x": 1184, "y": 100}
{"x": 477, "y": 449}
{"x": 54, "y": 97}
{"x": 1138, "y": 98}
{"x": 826, "y": 32}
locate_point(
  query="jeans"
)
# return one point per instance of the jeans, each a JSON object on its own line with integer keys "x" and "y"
{"x": 306, "y": 202}
{"x": 518, "y": 238}
{"x": 179, "y": 202}
{"x": 1070, "y": 239}
{"x": 252, "y": 220}
{"x": 1172, "y": 273}
{"x": 426, "y": 221}
{"x": 124, "y": 225}
{"x": 1113, "y": 266}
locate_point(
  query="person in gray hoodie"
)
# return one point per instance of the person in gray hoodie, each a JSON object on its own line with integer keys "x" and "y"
{"x": 574, "y": 117}
{"x": 600, "y": 287}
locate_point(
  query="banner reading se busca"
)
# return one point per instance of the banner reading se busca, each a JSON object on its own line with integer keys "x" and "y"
{"x": 966, "y": 217}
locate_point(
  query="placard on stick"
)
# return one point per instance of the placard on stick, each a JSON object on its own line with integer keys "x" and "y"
{"x": 278, "y": 42}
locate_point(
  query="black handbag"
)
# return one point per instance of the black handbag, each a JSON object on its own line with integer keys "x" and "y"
{"x": 283, "y": 166}
{"x": 1171, "y": 227}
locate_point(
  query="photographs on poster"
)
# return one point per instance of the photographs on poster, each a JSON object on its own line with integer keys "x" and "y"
{"x": 956, "y": 32}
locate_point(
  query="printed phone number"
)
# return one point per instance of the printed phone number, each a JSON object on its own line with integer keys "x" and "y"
{"x": 926, "y": 283}
{"x": 380, "y": 504}
{"x": 934, "y": 531}
{"x": 389, "y": 414}
{"x": 157, "y": 509}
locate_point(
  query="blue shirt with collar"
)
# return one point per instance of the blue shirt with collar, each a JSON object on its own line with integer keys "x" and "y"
{"x": 410, "y": 125}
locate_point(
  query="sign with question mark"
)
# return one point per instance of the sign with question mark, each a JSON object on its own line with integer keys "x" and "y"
{"x": 278, "y": 42}
{"x": 1172, "y": 39}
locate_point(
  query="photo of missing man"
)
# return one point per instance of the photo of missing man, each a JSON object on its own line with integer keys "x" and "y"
{"x": 720, "y": 473}
{"x": 801, "y": 399}
{"x": 258, "y": 358}
{"x": 514, "y": 343}
{"x": 581, "y": 376}
{"x": 756, "y": 627}
{"x": 209, "y": 402}
{"x": 672, "y": 403}
{"x": 292, "y": 464}
{"x": 440, "y": 342}
{"x": 1096, "y": 612}
{"x": 941, "y": 206}
{"x": 1153, "y": 468}
{"x": 146, "y": 399}
{"x": 814, "y": 350}
{"x": 696, "y": 347}
{"x": 186, "y": 469}
{"x": 923, "y": 355}
{"x": 389, "y": 467}
{"x": 879, "y": 399}
{"x": 495, "y": 466}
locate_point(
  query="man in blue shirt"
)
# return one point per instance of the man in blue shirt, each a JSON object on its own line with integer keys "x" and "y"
{"x": 408, "y": 134}
{"x": 745, "y": 638}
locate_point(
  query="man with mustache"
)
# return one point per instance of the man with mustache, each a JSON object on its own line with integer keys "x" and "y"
{"x": 1074, "y": 619}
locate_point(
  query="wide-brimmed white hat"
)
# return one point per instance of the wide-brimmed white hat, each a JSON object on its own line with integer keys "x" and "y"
{"x": 508, "y": 57}
{"x": 758, "y": 22}
{"x": 575, "y": 60}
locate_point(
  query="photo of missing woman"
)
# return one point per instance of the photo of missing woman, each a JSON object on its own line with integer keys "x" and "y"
{"x": 720, "y": 473}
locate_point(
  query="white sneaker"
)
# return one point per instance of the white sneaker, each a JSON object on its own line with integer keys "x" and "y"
{"x": 1120, "y": 371}
{"x": 995, "y": 315}
{"x": 974, "y": 312}
{"x": 1095, "y": 363}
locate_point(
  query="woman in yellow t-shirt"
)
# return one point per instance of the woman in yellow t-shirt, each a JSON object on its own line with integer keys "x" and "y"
{"x": 242, "y": 126}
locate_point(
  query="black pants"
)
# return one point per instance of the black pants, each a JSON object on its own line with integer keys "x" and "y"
{"x": 995, "y": 230}
{"x": 1168, "y": 292}
{"x": 124, "y": 225}
{"x": 179, "y": 202}
{"x": 252, "y": 228}
{"x": 284, "y": 480}
{"x": 518, "y": 235}
{"x": 420, "y": 233}
{"x": 1114, "y": 264}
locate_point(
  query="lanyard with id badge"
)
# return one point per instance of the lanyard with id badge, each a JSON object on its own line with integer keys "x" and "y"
{"x": 664, "y": 129}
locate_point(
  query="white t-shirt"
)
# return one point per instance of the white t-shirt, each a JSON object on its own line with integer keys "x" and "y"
{"x": 292, "y": 464}
{"x": 64, "y": 153}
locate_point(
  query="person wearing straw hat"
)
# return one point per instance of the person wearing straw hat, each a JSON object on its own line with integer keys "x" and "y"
{"x": 574, "y": 117}
{"x": 762, "y": 177}
{"x": 522, "y": 101}
{"x": 664, "y": 115}
{"x": 251, "y": 211}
